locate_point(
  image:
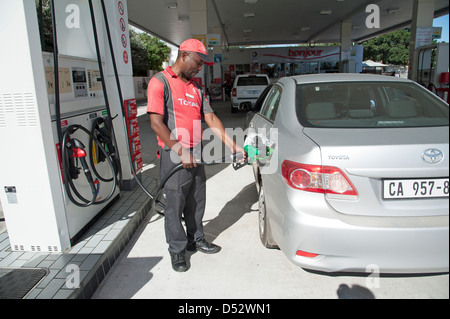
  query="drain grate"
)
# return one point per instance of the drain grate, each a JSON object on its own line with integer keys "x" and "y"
{"x": 16, "y": 283}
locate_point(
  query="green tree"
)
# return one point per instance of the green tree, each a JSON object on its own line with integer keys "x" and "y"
{"x": 45, "y": 24}
{"x": 147, "y": 53}
{"x": 390, "y": 48}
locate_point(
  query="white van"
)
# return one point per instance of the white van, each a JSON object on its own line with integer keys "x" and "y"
{"x": 246, "y": 90}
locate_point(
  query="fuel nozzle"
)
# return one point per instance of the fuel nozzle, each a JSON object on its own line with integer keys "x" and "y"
{"x": 257, "y": 147}
{"x": 77, "y": 150}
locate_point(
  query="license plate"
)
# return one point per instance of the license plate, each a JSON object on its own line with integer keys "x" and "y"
{"x": 252, "y": 92}
{"x": 415, "y": 188}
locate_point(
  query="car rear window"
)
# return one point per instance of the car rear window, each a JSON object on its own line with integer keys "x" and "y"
{"x": 368, "y": 105}
{"x": 252, "y": 80}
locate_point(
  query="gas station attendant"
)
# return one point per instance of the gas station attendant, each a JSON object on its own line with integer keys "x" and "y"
{"x": 177, "y": 105}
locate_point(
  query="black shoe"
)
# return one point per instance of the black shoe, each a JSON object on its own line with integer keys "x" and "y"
{"x": 203, "y": 246}
{"x": 179, "y": 262}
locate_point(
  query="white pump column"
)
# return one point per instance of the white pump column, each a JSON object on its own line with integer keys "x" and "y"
{"x": 421, "y": 30}
{"x": 120, "y": 37}
{"x": 39, "y": 215}
{"x": 347, "y": 65}
{"x": 31, "y": 192}
{"x": 199, "y": 28}
{"x": 217, "y": 67}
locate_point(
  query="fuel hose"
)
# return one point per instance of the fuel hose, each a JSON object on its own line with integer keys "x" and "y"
{"x": 236, "y": 158}
{"x": 68, "y": 181}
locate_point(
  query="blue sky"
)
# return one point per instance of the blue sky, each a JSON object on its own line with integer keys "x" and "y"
{"x": 442, "y": 22}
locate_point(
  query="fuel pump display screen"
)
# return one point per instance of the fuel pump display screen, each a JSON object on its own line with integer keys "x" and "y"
{"x": 79, "y": 76}
{"x": 79, "y": 82}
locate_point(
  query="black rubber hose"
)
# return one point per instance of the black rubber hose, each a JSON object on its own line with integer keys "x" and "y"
{"x": 56, "y": 75}
{"x": 234, "y": 158}
{"x": 119, "y": 90}
{"x": 105, "y": 93}
{"x": 96, "y": 124}
{"x": 68, "y": 181}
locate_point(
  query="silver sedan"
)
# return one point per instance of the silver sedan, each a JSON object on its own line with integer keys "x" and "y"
{"x": 357, "y": 177}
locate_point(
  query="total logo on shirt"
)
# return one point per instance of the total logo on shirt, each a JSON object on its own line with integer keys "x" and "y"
{"x": 187, "y": 102}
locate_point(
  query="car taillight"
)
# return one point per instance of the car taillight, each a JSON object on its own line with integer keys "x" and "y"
{"x": 234, "y": 92}
{"x": 317, "y": 178}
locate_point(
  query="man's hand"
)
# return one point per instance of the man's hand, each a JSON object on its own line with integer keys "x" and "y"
{"x": 187, "y": 159}
{"x": 237, "y": 149}
{"x": 158, "y": 126}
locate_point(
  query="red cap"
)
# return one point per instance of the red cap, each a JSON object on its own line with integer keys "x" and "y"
{"x": 194, "y": 45}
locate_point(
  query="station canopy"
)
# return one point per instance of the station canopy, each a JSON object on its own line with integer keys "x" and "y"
{"x": 269, "y": 22}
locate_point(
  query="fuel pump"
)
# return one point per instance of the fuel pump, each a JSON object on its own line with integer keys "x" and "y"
{"x": 56, "y": 103}
{"x": 51, "y": 102}
{"x": 431, "y": 61}
{"x": 72, "y": 150}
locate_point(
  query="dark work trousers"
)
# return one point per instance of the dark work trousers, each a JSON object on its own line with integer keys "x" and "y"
{"x": 185, "y": 194}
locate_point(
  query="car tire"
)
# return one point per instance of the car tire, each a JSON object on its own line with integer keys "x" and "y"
{"x": 233, "y": 109}
{"x": 263, "y": 223}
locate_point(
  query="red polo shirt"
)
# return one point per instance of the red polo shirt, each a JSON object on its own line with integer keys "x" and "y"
{"x": 184, "y": 103}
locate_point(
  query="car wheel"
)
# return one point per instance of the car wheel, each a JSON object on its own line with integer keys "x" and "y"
{"x": 263, "y": 222}
{"x": 233, "y": 109}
